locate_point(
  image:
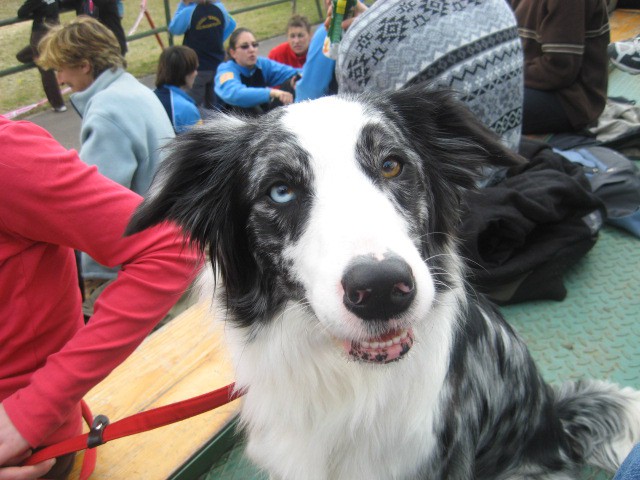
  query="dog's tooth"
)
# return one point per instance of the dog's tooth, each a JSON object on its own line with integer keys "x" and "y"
{"x": 375, "y": 344}
{"x": 365, "y": 344}
{"x": 404, "y": 335}
{"x": 396, "y": 340}
{"x": 389, "y": 343}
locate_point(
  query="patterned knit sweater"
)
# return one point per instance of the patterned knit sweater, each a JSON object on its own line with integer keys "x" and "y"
{"x": 469, "y": 46}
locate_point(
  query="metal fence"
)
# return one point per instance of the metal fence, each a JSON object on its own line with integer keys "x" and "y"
{"x": 153, "y": 31}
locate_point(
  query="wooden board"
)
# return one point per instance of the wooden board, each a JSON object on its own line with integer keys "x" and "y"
{"x": 183, "y": 359}
{"x": 625, "y": 24}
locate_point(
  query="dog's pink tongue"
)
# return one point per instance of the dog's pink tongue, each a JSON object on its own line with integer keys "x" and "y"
{"x": 387, "y": 348}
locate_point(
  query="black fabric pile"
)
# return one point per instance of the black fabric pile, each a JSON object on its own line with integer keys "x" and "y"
{"x": 522, "y": 234}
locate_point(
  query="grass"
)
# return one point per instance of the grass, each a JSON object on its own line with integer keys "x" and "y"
{"x": 25, "y": 88}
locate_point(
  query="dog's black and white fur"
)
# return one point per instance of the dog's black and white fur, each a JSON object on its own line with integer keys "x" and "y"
{"x": 363, "y": 352}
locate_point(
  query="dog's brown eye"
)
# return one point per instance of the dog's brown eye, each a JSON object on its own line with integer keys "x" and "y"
{"x": 391, "y": 168}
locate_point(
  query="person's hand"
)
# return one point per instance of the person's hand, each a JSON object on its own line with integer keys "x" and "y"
{"x": 14, "y": 449}
{"x": 358, "y": 9}
{"x": 293, "y": 80}
{"x": 285, "y": 97}
{"x": 31, "y": 472}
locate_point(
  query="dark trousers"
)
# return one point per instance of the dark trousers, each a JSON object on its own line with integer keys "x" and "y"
{"x": 106, "y": 11}
{"x": 543, "y": 113}
{"x": 49, "y": 80}
{"x": 110, "y": 17}
{"x": 202, "y": 91}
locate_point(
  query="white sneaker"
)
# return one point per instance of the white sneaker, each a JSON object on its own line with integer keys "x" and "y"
{"x": 626, "y": 55}
{"x": 61, "y": 109}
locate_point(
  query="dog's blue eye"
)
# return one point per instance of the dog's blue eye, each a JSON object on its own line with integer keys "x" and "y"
{"x": 282, "y": 193}
{"x": 391, "y": 168}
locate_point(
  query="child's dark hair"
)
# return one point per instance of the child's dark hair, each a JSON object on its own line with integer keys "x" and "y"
{"x": 175, "y": 64}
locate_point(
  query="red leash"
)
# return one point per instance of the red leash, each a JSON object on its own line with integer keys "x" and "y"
{"x": 102, "y": 431}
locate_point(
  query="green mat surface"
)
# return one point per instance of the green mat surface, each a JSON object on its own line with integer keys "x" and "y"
{"x": 593, "y": 333}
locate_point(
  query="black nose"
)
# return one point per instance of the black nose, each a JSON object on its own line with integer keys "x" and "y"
{"x": 378, "y": 289}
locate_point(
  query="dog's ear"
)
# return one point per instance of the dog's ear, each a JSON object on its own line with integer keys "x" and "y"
{"x": 436, "y": 119}
{"x": 197, "y": 187}
{"x": 456, "y": 149}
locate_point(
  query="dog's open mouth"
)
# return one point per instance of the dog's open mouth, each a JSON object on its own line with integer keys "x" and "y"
{"x": 388, "y": 348}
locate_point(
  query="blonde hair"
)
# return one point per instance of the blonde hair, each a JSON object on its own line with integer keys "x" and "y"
{"x": 81, "y": 39}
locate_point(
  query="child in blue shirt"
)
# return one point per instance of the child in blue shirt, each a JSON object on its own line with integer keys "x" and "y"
{"x": 177, "y": 70}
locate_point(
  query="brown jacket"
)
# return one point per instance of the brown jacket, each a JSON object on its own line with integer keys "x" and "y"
{"x": 565, "y": 50}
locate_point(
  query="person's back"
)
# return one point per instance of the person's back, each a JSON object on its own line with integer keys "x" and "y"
{"x": 470, "y": 47}
{"x": 566, "y": 63}
{"x": 123, "y": 122}
{"x": 206, "y": 24}
{"x": 124, "y": 125}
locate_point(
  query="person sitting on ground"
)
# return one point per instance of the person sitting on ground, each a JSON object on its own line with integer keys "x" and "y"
{"x": 43, "y": 13}
{"x": 206, "y": 25}
{"x": 473, "y": 50}
{"x": 50, "y": 204}
{"x": 246, "y": 82}
{"x": 566, "y": 63}
{"x": 293, "y": 52}
{"x": 177, "y": 70}
{"x": 124, "y": 125}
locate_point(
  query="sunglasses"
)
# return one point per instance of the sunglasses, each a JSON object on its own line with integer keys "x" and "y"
{"x": 245, "y": 46}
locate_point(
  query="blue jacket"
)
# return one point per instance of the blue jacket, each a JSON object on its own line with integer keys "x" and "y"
{"x": 205, "y": 28}
{"x": 318, "y": 70}
{"x": 124, "y": 125}
{"x": 230, "y": 88}
{"x": 180, "y": 107}
{"x": 630, "y": 468}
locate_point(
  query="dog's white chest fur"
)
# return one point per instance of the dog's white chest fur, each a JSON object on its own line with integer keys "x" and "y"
{"x": 313, "y": 413}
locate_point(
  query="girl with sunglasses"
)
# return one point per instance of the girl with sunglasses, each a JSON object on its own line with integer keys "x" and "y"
{"x": 247, "y": 82}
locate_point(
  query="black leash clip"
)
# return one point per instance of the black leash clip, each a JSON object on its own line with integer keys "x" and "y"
{"x": 97, "y": 430}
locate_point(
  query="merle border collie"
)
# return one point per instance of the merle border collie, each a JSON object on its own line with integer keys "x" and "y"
{"x": 362, "y": 349}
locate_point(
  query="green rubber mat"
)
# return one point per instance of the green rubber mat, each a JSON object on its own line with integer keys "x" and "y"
{"x": 593, "y": 333}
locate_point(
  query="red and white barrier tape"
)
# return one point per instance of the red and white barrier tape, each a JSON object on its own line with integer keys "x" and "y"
{"x": 136, "y": 24}
{"x": 28, "y": 108}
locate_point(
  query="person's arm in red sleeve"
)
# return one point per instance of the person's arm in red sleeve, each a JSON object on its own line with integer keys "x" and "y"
{"x": 49, "y": 195}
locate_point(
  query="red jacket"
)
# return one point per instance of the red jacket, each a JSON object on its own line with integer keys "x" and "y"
{"x": 51, "y": 203}
{"x": 282, "y": 53}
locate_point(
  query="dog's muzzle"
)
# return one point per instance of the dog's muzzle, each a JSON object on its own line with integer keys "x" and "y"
{"x": 379, "y": 290}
